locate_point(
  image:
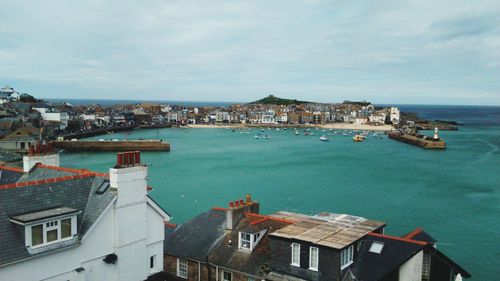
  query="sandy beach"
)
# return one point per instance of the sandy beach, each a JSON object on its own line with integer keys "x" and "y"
{"x": 335, "y": 126}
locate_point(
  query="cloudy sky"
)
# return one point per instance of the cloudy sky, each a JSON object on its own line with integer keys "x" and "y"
{"x": 423, "y": 52}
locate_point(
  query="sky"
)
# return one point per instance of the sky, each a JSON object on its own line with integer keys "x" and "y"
{"x": 414, "y": 52}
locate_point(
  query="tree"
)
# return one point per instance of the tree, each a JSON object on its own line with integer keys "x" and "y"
{"x": 27, "y": 98}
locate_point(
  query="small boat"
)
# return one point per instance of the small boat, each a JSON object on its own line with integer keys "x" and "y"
{"x": 256, "y": 137}
{"x": 262, "y": 130}
{"x": 358, "y": 138}
{"x": 324, "y": 138}
{"x": 266, "y": 137}
{"x": 296, "y": 132}
{"x": 277, "y": 129}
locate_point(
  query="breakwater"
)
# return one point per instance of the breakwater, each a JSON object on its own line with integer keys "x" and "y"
{"x": 418, "y": 140}
{"x": 114, "y": 145}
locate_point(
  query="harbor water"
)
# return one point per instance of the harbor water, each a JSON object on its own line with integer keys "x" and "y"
{"x": 453, "y": 194}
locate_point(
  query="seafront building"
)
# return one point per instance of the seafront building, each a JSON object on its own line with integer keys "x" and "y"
{"x": 239, "y": 244}
{"x": 67, "y": 224}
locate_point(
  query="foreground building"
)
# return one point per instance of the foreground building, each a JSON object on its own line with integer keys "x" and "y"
{"x": 239, "y": 244}
{"x": 68, "y": 224}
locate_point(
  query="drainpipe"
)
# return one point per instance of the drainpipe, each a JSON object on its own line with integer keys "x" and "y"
{"x": 209, "y": 277}
{"x": 199, "y": 271}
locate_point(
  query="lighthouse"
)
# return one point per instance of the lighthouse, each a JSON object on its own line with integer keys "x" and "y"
{"x": 436, "y": 135}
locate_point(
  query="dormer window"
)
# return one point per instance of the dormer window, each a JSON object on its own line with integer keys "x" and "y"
{"x": 248, "y": 241}
{"x": 47, "y": 227}
{"x": 52, "y": 231}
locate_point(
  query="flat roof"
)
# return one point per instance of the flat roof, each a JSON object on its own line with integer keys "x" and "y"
{"x": 326, "y": 229}
{"x": 49, "y": 213}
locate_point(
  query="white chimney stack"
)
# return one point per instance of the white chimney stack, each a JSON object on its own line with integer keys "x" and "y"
{"x": 40, "y": 153}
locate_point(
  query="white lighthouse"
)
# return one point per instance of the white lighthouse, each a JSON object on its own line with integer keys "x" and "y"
{"x": 436, "y": 135}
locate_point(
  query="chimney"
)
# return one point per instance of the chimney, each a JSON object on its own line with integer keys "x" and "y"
{"x": 40, "y": 153}
{"x": 237, "y": 210}
{"x": 128, "y": 178}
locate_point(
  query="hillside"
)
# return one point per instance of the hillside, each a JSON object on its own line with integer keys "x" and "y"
{"x": 278, "y": 101}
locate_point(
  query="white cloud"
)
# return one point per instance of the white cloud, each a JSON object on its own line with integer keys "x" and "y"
{"x": 242, "y": 50}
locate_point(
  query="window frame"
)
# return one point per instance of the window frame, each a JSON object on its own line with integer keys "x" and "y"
{"x": 295, "y": 249}
{"x": 230, "y": 274}
{"x": 47, "y": 226}
{"x": 311, "y": 267}
{"x": 242, "y": 241}
{"x": 346, "y": 257}
{"x": 186, "y": 264}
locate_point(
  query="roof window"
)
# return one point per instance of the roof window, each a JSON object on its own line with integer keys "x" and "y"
{"x": 376, "y": 247}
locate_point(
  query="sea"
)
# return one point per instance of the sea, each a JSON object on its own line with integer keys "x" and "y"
{"x": 453, "y": 194}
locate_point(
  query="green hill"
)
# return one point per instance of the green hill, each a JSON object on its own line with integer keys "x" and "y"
{"x": 278, "y": 101}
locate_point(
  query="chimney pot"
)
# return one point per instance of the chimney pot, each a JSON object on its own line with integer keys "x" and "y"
{"x": 237, "y": 203}
{"x": 231, "y": 204}
{"x": 119, "y": 159}
{"x": 249, "y": 198}
{"x": 241, "y": 202}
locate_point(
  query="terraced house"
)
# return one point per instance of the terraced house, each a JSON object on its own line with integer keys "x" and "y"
{"x": 68, "y": 224}
{"x": 239, "y": 244}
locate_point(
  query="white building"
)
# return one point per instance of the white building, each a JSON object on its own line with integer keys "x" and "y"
{"x": 282, "y": 118}
{"x": 378, "y": 117}
{"x": 79, "y": 225}
{"x": 267, "y": 117}
{"x": 395, "y": 115}
{"x": 47, "y": 114}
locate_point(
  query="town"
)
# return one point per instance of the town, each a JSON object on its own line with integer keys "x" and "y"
{"x": 105, "y": 226}
{"x": 25, "y": 119}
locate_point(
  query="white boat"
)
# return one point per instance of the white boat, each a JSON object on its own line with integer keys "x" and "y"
{"x": 296, "y": 132}
{"x": 256, "y": 137}
{"x": 266, "y": 137}
{"x": 324, "y": 138}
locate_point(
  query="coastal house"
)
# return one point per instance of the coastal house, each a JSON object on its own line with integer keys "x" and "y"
{"x": 238, "y": 243}
{"x": 378, "y": 117}
{"x": 50, "y": 114}
{"x": 20, "y": 140}
{"x": 69, "y": 224}
{"x": 395, "y": 115}
{"x": 8, "y": 125}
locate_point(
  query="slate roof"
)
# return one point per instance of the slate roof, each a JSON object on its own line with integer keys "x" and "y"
{"x": 373, "y": 267}
{"x": 194, "y": 239}
{"x": 76, "y": 193}
{"x": 256, "y": 262}
{"x": 9, "y": 176}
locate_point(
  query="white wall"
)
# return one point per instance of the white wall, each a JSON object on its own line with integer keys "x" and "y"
{"x": 412, "y": 269}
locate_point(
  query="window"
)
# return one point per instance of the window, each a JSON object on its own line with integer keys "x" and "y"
{"x": 227, "y": 276}
{"x": 376, "y": 247}
{"x": 346, "y": 257}
{"x": 313, "y": 258}
{"x": 37, "y": 235}
{"x": 52, "y": 231}
{"x": 152, "y": 262}
{"x": 66, "y": 228}
{"x": 182, "y": 268}
{"x": 295, "y": 254}
{"x": 245, "y": 240}
{"x": 250, "y": 279}
{"x": 358, "y": 245}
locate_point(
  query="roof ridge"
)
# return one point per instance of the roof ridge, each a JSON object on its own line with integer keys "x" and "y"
{"x": 63, "y": 169}
{"x": 402, "y": 239}
{"x": 47, "y": 181}
{"x": 264, "y": 217}
{"x": 413, "y": 233}
{"x": 13, "y": 169}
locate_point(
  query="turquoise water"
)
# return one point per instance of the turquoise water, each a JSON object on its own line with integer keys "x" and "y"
{"x": 453, "y": 194}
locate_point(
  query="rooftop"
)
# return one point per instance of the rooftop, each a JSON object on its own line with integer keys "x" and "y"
{"x": 326, "y": 229}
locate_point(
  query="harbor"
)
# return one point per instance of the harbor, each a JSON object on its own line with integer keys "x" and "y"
{"x": 111, "y": 145}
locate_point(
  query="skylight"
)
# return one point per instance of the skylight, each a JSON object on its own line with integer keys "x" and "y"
{"x": 376, "y": 247}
